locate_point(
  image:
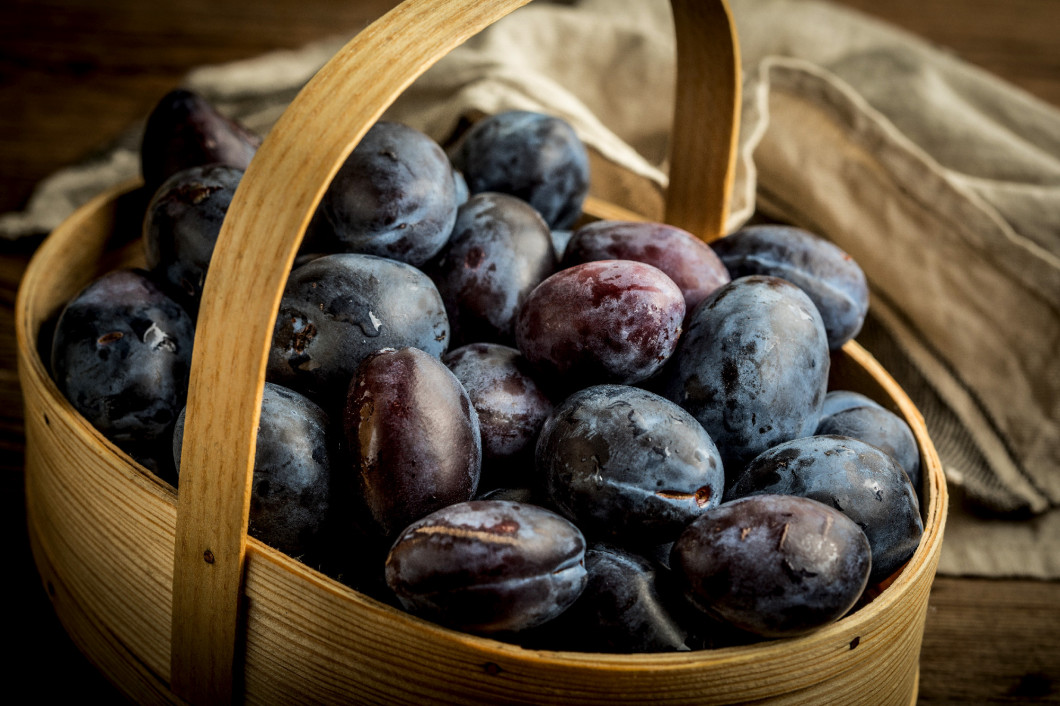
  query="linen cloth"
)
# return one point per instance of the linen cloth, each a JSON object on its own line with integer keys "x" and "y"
{"x": 942, "y": 181}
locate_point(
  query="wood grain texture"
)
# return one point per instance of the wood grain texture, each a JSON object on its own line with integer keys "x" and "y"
{"x": 75, "y": 74}
{"x": 703, "y": 151}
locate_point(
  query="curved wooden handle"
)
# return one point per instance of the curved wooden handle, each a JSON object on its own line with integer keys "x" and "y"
{"x": 256, "y": 248}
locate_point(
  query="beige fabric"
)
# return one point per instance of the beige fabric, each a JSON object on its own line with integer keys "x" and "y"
{"x": 943, "y": 182}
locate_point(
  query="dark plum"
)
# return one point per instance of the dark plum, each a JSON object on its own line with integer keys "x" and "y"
{"x": 294, "y": 459}
{"x": 511, "y": 408}
{"x": 859, "y": 480}
{"x": 611, "y": 321}
{"x": 413, "y": 438}
{"x": 339, "y": 308}
{"x": 394, "y": 196}
{"x": 832, "y": 279}
{"x": 685, "y": 259}
{"x": 752, "y": 367}
{"x": 838, "y": 400}
{"x": 881, "y": 428}
{"x": 619, "y": 611}
{"x": 488, "y": 566}
{"x": 628, "y": 465}
{"x": 181, "y": 227}
{"x": 536, "y": 157}
{"x": 121, "y": 353}
{"x": 500, "y": 249}
{"x": 773, "y": 565}
{"x": 185, "y": 130}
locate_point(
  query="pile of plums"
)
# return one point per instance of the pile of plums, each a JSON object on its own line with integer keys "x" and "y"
{"x": 603, "y": 436}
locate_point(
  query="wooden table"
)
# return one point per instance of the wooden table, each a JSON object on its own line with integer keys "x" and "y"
{"x": 74, "y": 74}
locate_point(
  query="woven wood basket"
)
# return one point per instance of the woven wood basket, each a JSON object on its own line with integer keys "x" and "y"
{"x": 172, "y": 601}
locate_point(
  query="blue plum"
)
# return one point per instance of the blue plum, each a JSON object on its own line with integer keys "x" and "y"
{"x": 838, "y": 400}
{"x": 395, "y": 196}
{"x": 536, "y": 157}
{"x": 121, "y": 353}
{"x": 621, "y": 609}
{"x": 499, "y": 251}
{"x": 186, "y": 130}
{"x": 511, "y": 408}
{"x": 295, "y": 461}
{"x": 181, "y": 225}
{"x": 752, "y": 367}
{"x": 833, "y": 280}
{"x": 627, "y": 465}
{"x": 339, "y": 308}
{"x": 881, "y": 428}
{"x": 773, "y": 565}
{"x": 859, "y": 480}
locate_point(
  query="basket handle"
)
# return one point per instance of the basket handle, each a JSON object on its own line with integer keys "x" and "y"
{"x": 256, "y": 248}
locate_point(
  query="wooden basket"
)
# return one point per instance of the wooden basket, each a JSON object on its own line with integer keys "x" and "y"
{"x": 173, "y": 602}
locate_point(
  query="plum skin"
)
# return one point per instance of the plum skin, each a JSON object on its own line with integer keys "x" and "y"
{"x": 831, "y": 278}
{"x": 488, "y": 566}
{"x": 687, "y": 260}
{"x": 628, "y": 465}
{"x": 536, "y": 157}
{"x": 294, "y": 461}
{"x": 500, "y": 249}
{"x": 121, "y": 354}
{"x": 752, "y": 367}
{"x": 394, "y": 196}
{"x": 773, "y": 565}
{"x": 609, "y": 321}
{"x": 338, "y": 309}
{"x": 856, "y": 478}
{"x": 413, "y": 438}
{"x": 511, "y": 408}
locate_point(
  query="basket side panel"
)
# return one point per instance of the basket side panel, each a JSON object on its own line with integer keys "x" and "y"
{"x": 103, "y": 538}
{"x": 90, "y": 633}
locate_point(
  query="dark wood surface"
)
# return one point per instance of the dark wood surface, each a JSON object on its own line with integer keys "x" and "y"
{"x": 75, "y": 73}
